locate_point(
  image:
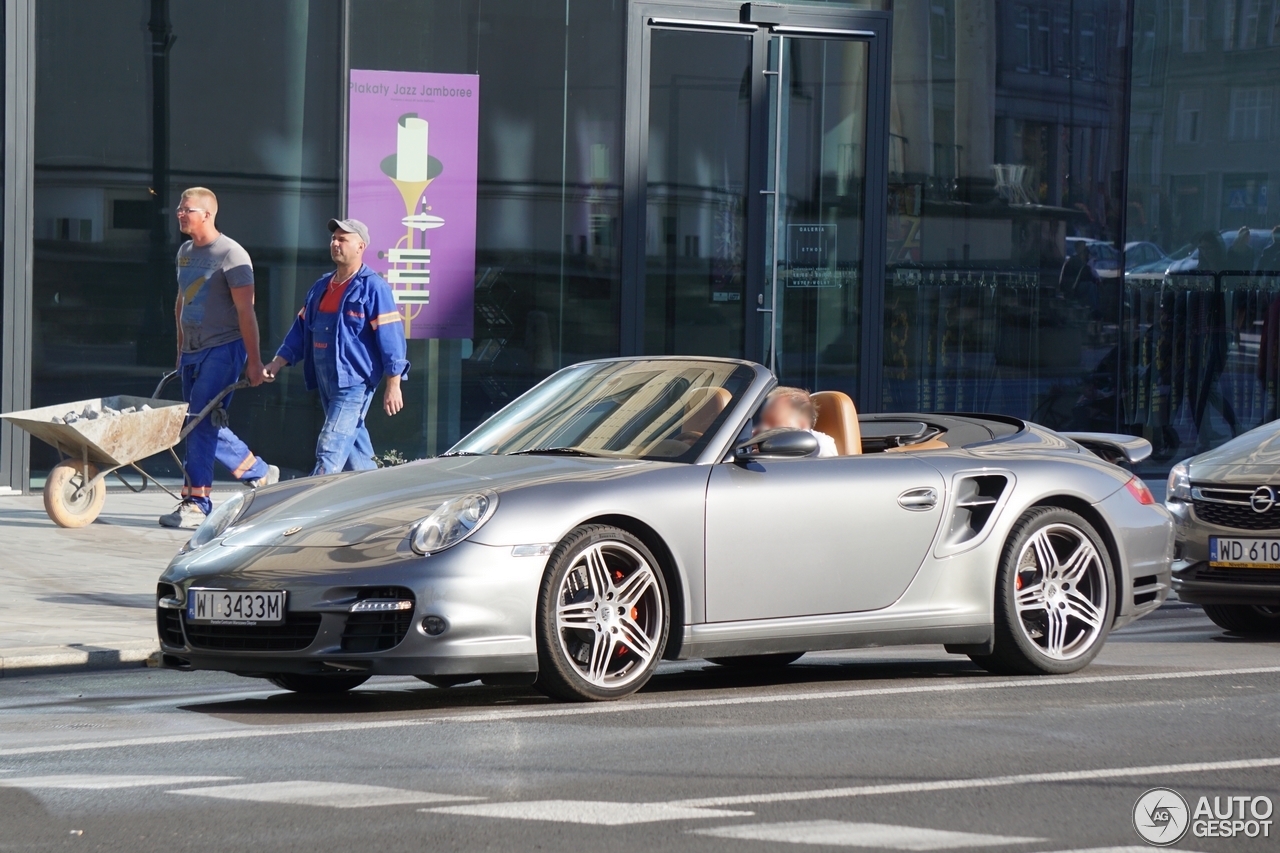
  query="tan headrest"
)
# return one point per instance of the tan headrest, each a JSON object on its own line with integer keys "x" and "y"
{"x": 838, "y": 418}
{"x": 702, "y": 408}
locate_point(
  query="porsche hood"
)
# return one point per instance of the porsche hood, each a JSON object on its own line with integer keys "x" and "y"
{"x": 347, "y": 509}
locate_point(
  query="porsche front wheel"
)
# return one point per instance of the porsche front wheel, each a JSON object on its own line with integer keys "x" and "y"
{"x": 602, "y": 616}
{"x": 1054, "y": 596}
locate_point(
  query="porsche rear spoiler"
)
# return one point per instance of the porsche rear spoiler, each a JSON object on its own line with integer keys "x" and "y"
{"x": 1112, "y": 447}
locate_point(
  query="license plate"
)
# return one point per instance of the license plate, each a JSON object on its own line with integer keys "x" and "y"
{"x": 228, "y": 607}
{"x": 1244, "y": 553}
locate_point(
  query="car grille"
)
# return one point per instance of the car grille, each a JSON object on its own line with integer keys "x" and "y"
{"x": 378, "y": 631}
{"x": 1228, "y": 506}
{"x": 168, "y": 622}
{"x": 298, "y": 631}
{"x": 1261, "y": 577}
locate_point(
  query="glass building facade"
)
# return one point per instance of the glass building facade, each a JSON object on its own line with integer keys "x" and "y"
{"x": 1030, "y": 207}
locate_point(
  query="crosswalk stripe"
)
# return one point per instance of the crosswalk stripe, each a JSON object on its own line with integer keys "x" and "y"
{"x": 980, "y": 782}
{"x": 99, "y": 782}
{"x": 838, "y": 833}
{"x": 586, "y": 811}
{"x": 1134, "y": 848}
{"x": 336, "y": 795}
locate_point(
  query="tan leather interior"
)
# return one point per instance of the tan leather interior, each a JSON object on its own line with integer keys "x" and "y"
{"x": 838, "y": 418}
{"x": 934, "y": 443}
{"x": 702, "y": 408}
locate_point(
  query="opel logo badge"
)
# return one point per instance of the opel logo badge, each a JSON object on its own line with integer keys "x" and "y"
{"x": 1262, "y": 499}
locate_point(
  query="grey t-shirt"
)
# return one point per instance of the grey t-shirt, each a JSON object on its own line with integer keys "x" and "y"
{"x": 206, "y": 275}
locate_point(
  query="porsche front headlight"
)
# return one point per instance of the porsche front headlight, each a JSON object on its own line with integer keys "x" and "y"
{"x": 453, "y": 521}
{"x": 1179, "y": 485}
{"x": 217, "y": 522}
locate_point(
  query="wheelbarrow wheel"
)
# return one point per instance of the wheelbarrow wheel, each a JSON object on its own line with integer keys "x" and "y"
{"x": 61, "y": 501}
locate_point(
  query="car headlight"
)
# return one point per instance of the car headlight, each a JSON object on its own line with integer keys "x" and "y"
{"x": 453, "y": 521}
{"x": 1179, "y": 486}
{"x": 217, "y": 522}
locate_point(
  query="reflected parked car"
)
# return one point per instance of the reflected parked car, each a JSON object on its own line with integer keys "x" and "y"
{"x": 625, "y": 510}
{"x": 1227, "y": 506}
{"x": 1142, "y": 254}
{"x": 1188, "y": 257}
{"x": 1104, "y": 260}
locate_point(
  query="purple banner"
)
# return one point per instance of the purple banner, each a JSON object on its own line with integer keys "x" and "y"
{"x": 411, "y": 177}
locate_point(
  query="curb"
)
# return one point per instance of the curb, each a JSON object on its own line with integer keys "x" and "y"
{"x": 44, "y": 660}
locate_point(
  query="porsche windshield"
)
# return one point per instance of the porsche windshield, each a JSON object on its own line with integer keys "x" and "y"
{"x": 662, "y": 409}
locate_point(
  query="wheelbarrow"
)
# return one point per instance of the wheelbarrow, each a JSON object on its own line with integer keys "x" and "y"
{"x": 99, "y": 443}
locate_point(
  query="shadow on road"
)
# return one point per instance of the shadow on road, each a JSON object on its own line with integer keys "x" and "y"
{"x": 394, "y": 700}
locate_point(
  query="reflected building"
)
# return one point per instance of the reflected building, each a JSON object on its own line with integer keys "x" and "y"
{"x": 883, "y": 198}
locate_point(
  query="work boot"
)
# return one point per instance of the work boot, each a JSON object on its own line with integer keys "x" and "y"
{"x": 267, "y": 479}
{"x": 187, "y": 516}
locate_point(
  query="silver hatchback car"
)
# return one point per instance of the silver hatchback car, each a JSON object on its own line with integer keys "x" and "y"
{"x": 1227, "y": 506}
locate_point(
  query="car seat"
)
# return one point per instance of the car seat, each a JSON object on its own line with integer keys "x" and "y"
{"x": 838, "y": 418}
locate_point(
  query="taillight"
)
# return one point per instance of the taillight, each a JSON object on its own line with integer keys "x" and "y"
{"x": 1140, "y": 492}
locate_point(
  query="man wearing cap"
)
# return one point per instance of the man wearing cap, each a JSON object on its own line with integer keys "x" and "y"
{"x": 348, "y": 335}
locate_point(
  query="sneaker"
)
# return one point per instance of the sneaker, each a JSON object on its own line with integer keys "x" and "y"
{"x": 188, "y": 516}
{"x": 267, "y": 479}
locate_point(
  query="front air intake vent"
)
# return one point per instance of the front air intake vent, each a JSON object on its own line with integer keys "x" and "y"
{"x": 976, "y": 499}
{"x": 168, "y": 619}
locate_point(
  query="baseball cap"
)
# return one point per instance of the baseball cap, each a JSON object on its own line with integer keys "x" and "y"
{"x": 352, "y": 226}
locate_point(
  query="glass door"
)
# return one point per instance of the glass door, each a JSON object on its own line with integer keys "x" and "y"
{"x": 696, "y": 191}
{"x": 757, "y": 225}
{"x": 815, "y": 242}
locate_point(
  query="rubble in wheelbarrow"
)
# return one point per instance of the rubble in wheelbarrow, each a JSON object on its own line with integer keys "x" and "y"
{"x": 89, "y": 413}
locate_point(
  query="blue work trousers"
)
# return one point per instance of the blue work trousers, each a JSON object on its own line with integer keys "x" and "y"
{"x": 204, "y": 375}
{"x": 344, "y": 443}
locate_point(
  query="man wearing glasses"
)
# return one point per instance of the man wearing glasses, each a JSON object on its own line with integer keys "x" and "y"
{"x": 217, "y": 338}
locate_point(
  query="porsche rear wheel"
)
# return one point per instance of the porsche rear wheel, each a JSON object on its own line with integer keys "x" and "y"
{"x": 602, "y": 616}
{"x": 318, "y": 685}
{"x": 1259, "y": 619}
{"x": 774, "y": 661}
{"x": 1054, "y": 597}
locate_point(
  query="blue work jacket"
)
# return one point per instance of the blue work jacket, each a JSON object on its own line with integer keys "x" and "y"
{"x": 369, "y": 335}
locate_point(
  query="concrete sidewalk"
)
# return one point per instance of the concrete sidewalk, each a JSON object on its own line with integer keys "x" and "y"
{"x": 85, "y": 598}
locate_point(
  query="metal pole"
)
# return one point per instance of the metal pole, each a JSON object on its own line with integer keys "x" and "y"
{"x": 15, "y": 289}
{"x": 156, "y": 338}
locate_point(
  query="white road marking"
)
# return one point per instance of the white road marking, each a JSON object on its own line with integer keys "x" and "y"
{"x": 588, "y": 812}
{"x": 988, "y": 782}
{"x": 838, "y": 833}
{"x": 334, "y": 795}
{"x": 638, "y": 705}
{"x": 95, "y": 782}
{"x": 1130, "y": 849}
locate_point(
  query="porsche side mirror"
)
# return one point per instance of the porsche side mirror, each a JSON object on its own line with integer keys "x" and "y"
{"x": 777, "y": 444}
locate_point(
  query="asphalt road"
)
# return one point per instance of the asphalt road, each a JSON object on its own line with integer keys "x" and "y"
{"x": 881, "y": 749}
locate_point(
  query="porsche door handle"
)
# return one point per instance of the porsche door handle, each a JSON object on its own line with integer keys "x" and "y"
{"x": 918, "y": 500}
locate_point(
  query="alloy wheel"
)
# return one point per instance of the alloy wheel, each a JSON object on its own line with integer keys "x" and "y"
{"x": 1061, "y": 592}
{"x": 609, "y": 614}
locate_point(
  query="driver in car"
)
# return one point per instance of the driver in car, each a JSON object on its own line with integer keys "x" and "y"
{"x": 793, "y": 408}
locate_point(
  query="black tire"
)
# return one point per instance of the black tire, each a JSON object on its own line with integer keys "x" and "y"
{"x": 774, "y": 661}
{"x": 1082, "y": 615}
{"x": 316, "y": 685}
{"x": 1245, "y": 618}
{"x": 611, "y": 629}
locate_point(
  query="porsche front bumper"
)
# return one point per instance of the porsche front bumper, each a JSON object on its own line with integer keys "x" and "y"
{"x": 484, "y": 594}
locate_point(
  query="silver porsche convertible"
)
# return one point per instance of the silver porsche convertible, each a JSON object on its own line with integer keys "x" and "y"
{"x": 626, "y": 511}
